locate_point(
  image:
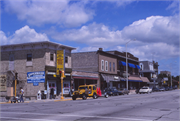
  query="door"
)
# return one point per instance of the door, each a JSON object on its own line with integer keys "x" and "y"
{"x": 66, "y": 87}
{"x": 52, "y": 84}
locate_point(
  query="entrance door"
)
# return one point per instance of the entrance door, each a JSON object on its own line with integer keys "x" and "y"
{"x": 52, "y": 84}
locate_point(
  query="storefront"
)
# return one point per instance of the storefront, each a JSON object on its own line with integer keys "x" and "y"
{"x": 109, "y": 81}
{"x": 84, "y": 78}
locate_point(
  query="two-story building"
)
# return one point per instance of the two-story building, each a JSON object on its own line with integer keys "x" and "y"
{"x": 149, "y": 69}
{"x": 35, "y": 64}
{"x": 105, "y": 69}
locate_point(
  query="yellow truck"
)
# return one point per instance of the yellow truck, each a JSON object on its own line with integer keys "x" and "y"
{"x": 85, "y": 91}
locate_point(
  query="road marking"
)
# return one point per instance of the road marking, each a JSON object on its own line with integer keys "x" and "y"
{"x": 26, "y": 119}
{"x": 68, "y": 115}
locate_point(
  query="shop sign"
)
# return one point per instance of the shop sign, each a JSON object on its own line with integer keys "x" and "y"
{"x": 165, "y": 79}
{"x": 59, "y": 61}
{"x": 3, "y": 82}
{"x": 36, "y": 77}
{"x": 116, "y": 77}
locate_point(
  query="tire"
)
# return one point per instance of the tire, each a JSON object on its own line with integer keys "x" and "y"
{"x": 139, "y": 93}
{"x": 127, "y": 93}
{"x": 73, "y": 97}
{"x": 84, "y": 97}
{"x": 11, "y": 101}
{"x": 106, "y": 96}
{"x": 94, "y": 96}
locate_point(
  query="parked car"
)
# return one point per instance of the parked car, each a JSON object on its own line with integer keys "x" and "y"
{"x": 145, "y": 89}
{"x": 85, "y": 91}
{"x": 166, "y": 88}
{"x": 175, "y": 87}
{"x": 161, "y": 89}
{"x": 124, "y": 91}
{"x": 155, "y": 89}
{"x": 112, "y": 91}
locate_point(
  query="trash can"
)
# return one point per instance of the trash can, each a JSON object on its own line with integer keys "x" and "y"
{"x": 39, "y": 95}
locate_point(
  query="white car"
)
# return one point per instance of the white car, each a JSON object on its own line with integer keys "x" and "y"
{"x": 145, "y": 90}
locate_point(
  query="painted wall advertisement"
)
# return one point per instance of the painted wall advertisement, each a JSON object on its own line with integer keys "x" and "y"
{"x": 3, "y": 83}
{"x": 36, "y": 77}
{"x": 59, "y": 61}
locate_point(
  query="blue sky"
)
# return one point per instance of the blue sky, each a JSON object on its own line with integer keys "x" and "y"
{"x": 88, "y": 25}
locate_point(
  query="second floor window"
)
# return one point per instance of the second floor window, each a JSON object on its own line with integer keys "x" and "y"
{"x": 66, "y": 59}
{"x": 29, "y": 57}
{"x": 113, "y": 67}
{"x": 106, "y": 65}
{"x": 109, "y": 66}
{"x": 102, "y": 65}
{"x": 52, "y": 57}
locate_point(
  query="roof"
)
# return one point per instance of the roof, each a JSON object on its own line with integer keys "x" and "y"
{"x": 40, "y": 42}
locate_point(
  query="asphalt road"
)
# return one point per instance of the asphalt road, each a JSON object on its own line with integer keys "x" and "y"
{"x": 160, "y": 106}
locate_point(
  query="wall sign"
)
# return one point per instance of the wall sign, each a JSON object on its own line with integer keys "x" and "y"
{"x": 3, "y": 82}
{"x": 36, "y": 77}
{"x": 59, "y": 61}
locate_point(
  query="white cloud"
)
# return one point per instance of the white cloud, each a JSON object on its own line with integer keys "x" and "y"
{"x": 174, "y": 6}
{"x": 93, "y": 34}
{"x": 25, "y": 34}
{"x": 154, "y": 29}
{"x": 64, "y": 12}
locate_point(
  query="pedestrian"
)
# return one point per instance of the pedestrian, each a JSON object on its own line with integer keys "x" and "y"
{"x": 52, "y": 93}
{"x": 21, "y": 94}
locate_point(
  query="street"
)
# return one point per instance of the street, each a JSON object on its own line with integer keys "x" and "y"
{"x": 160, "y": 106}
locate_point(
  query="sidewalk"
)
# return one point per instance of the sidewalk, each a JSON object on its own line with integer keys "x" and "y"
{"x": 57, "y": 99}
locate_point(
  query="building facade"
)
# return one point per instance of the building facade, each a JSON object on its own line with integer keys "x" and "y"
{"x": 150, "y": 70}
{"x": 38, "y": 60}
{"x": 109, "y": 67}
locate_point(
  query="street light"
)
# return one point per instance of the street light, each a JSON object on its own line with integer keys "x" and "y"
{"x": 127, "y": 64}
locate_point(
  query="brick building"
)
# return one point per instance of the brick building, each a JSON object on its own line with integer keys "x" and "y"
{"x": 105, "y": 69}
{"x": 28, "y": 59}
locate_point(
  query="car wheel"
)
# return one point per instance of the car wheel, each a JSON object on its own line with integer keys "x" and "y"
{"x": 106, "y": 96}
{"x": 127, "y": 93}
{"x": 73, "y": 97}
{"x": 139, "y": 93}
{"x": 84, "y": 97}
{"x": 95, "y": 96}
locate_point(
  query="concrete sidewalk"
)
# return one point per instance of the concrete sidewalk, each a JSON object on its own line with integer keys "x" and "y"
{"x": 58, "y": 99}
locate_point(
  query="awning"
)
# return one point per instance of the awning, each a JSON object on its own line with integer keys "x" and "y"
{"x": 137, "y": 66}
{"x": 131, "y": 65}
{"x": 144, "y": 79}
{"x": 109, "y": 78}
{"x": 85, "y": 77}
{"x": 122, "y": 63}
{"x": 133, "y": 79}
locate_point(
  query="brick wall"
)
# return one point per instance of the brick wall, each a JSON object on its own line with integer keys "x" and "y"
{"x": 85, "y": 61}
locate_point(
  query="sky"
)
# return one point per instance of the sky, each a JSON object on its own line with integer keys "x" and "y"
{"x": 151, "y": 27}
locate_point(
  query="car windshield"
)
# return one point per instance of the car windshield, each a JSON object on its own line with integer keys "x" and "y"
{"x": 144, "y": 88}
{"x": 82, "y": 87}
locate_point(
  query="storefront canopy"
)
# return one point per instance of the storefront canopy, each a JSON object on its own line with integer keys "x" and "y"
{"x": 131, "y": 65}
{"x": 109, "y": 78}
{"x": 137, "y": 66}
{"x": 122, "y": 63}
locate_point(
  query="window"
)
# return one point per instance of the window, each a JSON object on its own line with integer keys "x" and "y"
{"x": 66, "y": 59}
{"x": 113, "y": 67}
{"x": 94, "y": 88}
{"x": 11, "y": 57}
{"x": 106, "y": 65}
{"x": 29, "y": 57}
{"x": 102, "y": 65}
{"x": 51, "y": 57}
{"x": 109, "y": 66}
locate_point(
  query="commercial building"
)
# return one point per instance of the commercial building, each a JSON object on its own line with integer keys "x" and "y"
{"x": 150, "y": 70}
{"x": 35, "y": 64}
{"x": 106, "y": 69}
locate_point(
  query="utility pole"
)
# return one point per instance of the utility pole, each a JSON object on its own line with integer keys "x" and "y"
{"x": 16, "y": 75}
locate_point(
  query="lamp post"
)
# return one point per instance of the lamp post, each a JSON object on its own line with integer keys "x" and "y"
{"x": 127, "y": 64}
